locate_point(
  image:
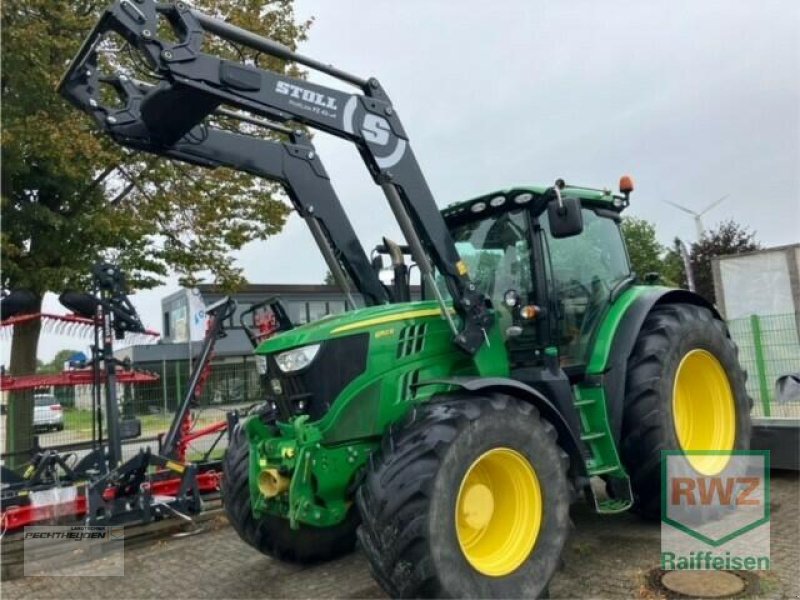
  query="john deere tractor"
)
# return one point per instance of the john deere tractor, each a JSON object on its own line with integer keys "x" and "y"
{"x": 447, "y": 435}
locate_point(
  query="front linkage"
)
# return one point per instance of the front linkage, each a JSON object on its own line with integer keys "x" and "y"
{"x": 294, "y": 460}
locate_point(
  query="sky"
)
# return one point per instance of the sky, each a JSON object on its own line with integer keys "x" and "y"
{"x": 695, "y": 100}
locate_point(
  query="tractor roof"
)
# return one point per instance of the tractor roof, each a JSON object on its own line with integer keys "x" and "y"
{"x": 523, "y": 195}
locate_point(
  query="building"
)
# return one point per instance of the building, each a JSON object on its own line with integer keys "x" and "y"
{"x": 234, "y": 377}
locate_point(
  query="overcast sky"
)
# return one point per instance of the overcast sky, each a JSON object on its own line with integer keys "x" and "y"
{"x": 694, "y": 99}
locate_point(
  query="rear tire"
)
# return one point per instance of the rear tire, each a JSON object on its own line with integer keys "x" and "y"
{"x": 423, "y": 538}
{"x": 669, "y": 335}
{"x": 272, "y": 535}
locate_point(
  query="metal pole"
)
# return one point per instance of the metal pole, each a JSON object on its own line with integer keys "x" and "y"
{"x": 338, "y": 273}
{"x": 170, "y": 440}
{"x": 687, "y": 265}
{"x": 761, "y": 367}
{"x": 698, "y": 223}
{"x": 417, "y": 251}
{"x": 112, "y": 407}
{"x": 164, "y": 384}
{"x": 189, "y": 328}
{"x": 271, "y": 47}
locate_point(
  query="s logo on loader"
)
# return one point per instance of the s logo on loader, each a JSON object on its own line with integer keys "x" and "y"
{"x": 375, "y": 129}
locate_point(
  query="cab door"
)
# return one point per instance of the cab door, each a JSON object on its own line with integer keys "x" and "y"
{"x": 582, "y": 273}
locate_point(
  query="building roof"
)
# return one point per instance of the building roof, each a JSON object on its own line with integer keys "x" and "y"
{"x": 276, "y": 289}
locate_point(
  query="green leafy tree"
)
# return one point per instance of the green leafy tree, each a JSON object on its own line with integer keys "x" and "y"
{"x": 644, "y": 250}
{"x": 57, "y": 364}
{"x": 674, "y": 270}
{"x": 70, "y": 196}
{"x": 727, "y": 238}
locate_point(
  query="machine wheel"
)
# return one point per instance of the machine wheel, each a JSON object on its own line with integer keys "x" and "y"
{"x": 467, "y": 498}
{"x": 272, "y": 535}
{"x": 684, "y": 390}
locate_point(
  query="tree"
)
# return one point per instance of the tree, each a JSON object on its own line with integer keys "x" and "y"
{"x": 728, "y": 238}
{"x": 674, "y": 270}
{"x": 57, "y": 364}
{"x": 70, "y": 196}
{"x": 643, "y": 248}
{"x": 329, "y": 280}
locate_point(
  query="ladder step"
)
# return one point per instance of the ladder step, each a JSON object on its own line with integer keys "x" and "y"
{"x": 603, "y": 470}
{"x": 592, "y": 436}
{"x": 613, "y": 506}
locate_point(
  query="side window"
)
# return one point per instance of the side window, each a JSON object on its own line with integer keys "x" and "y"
{"x": 584, "y": 269}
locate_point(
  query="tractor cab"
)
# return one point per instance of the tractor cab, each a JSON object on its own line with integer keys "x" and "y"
{"x": 550, "y": 276}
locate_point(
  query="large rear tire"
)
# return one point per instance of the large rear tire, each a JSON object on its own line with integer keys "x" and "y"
{"x": 272, "y": 535}
{"x": 467, "y": 498}
{"x": 684, "y": 391}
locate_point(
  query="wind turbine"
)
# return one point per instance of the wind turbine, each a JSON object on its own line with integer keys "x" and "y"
{"x": 698, "y": 221}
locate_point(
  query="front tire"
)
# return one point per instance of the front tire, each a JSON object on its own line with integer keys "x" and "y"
{"x": 272, "y": 535}
{"x": 468, "y": 498}
{"x": 684, "y": 391}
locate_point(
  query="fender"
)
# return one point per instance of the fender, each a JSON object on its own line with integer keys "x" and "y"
{"x": 511, "y": 387}
{"x": 610, "y": 367}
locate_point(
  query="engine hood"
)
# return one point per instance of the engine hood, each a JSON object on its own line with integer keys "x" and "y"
{"x": 382, "y": 318}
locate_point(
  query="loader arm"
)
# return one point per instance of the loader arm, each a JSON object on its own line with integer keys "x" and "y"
{"x": 295, "y": 164}
{"x": 196, "y": 84}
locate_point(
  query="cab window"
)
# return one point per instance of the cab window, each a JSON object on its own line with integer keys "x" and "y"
{"x": 583, "y": 271}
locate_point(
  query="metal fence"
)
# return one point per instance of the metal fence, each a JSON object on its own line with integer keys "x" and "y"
{"x": 230, "y": 385}
{"x": 769, "y": 350}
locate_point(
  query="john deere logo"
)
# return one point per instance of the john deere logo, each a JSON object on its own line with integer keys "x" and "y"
{"x": 715, "y": 521}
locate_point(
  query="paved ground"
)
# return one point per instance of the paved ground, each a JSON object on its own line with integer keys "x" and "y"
{"x": 607, "y": 557}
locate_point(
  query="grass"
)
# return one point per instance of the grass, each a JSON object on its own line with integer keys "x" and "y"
{"x": 78, "y": 421}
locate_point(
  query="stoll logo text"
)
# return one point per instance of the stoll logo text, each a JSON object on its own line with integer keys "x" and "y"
{"x": 715, "y": 511}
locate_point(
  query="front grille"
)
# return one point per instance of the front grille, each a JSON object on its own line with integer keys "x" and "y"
{"x": 411, "y": 340}
{"x": 313, "y": 390}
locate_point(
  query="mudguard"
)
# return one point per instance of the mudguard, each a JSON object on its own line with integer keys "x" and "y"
{"x": 612, "y": 369}
{"x": 566, "y": 437}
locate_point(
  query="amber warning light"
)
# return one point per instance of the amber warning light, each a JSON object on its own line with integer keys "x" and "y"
{"x": 626, "y": 184}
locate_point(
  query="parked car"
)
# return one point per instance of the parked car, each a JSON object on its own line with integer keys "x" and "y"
{"x": 47, "y": 413}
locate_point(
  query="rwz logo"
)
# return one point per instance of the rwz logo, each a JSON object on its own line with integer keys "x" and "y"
{"x": 725, "y": 512}
{"x": 295, "y": 91}
{"x": 728, "y": 491}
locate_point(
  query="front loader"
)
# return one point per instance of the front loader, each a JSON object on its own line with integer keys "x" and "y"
{"x": 448, "y": 435}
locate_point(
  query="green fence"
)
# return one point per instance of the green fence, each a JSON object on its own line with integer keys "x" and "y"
{"x": 769, "y": 350}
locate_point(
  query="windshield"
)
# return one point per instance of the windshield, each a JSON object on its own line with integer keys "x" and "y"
{"x": 496, "y": 251}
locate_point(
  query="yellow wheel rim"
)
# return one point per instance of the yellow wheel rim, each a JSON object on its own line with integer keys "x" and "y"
{"x": 703, "y": 410}
{"x": 498, "y": 512}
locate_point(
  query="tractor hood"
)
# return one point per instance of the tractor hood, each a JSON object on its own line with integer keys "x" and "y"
{"x": 349, "y": 323}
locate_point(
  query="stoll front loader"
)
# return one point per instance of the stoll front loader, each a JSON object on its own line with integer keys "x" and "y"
{"x": 449, "y": 435}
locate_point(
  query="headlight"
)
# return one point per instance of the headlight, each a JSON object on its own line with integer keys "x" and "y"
{"x": 296, "y": 359}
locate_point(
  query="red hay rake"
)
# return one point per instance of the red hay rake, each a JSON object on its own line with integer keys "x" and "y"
{"x": 69, "y": 325}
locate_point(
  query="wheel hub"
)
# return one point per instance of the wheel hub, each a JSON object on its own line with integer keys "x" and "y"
{"x": 477, "y": 506}
{"x": 703, "y": 411}
{"x": 498, "y": 512}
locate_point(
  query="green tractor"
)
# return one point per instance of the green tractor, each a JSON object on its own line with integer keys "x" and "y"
{"x": 449, "y": 435}
{"x": 457, "y": 474}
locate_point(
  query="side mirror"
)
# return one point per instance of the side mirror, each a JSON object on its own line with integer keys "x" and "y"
{"x": 565, "y": 217}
